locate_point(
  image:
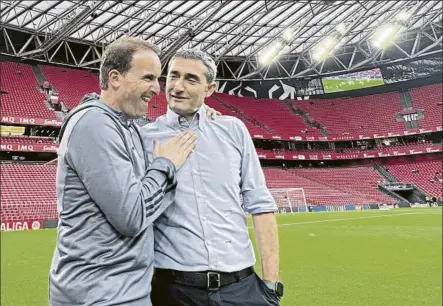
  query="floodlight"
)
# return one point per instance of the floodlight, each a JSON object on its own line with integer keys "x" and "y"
{"x": 384, "y": 35}
{"x": 341, "y": 28}
{"x": 288, "y": 34}
{"x": 403, "y": 16}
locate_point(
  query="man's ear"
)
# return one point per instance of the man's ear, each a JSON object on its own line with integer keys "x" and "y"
{"x": 114, "y": 78}
{"x": 211, "y": 89}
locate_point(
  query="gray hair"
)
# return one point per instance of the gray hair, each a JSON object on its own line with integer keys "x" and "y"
{"x": 211, "y": 68}
{"x": 118, "y": 56}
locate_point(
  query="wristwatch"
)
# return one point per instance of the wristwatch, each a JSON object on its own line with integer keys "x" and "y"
{"x": 275, "y": 287}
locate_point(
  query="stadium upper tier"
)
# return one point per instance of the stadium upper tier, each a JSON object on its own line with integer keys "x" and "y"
{"x": 429, "y": 98}
{"x": 20, "y": 94}
{"x": 339, "y": 117}
{"x": 70, "y": 84}
{"x": 272, "y": 113}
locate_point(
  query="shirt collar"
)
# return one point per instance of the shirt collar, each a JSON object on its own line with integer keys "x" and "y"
{"x": 174, "y": 119}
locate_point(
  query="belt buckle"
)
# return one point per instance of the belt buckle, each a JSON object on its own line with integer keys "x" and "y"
{"x": 213, "y": 281}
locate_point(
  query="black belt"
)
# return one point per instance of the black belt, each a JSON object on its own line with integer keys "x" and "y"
{"x": 208, "y": 280}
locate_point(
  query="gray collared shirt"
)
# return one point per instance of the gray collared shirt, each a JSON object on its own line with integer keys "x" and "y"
{"x": 205, "y": 228}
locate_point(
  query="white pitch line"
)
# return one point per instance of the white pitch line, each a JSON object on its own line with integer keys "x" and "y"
{"x": 355, "y": 218}
{"x": 345, "y": 219}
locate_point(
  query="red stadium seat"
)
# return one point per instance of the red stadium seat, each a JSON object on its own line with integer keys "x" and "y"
{"x": 28, "y": 192}
{"x": 421, "y": 171}
{"x": 71, "y": 84}
{"x": 355, "y": 116}
{"x": 429, "y": 98}
{"x": 22, "y": 98}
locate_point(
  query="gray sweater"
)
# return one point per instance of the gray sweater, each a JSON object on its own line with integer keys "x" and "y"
{"x": 108, "y": 199}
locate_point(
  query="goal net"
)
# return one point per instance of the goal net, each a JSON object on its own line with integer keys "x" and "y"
{"x": 290, "y": 199}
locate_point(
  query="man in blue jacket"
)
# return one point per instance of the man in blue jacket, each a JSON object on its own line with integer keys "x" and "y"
{"x": 108, "y": 195}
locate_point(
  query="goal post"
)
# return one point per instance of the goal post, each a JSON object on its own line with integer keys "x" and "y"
{"x": 289, "y": 199}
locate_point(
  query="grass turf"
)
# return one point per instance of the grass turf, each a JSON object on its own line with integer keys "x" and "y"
{"x": 336, "y": 258}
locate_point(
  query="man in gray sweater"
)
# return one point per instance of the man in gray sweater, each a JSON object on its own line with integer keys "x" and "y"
{"x": 107, "y": 194}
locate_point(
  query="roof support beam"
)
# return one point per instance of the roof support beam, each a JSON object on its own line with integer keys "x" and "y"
{"x": 21, "y": 13}
{"x": 183, "y": 26}
{"x": 66, "y": 29}
{"x": 232, "y": 43}
{"x": 9, "y": 9}
{"x": 122, "y": 23}
{"x": 190, "y": 33}
{"x": 58, "y": 18}
{"x": 230, "y": 20}
{"x": 54, "y": 4}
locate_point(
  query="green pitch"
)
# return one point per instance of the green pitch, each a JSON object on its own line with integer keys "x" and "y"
{"x": 334, "y": 85}
{"x": 391, "y": 258}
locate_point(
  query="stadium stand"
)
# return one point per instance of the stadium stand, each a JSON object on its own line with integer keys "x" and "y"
{"x": 421, "y": 171}
{"x": 354, "y": 116}
{"x": 28, "y": 192}
{"x": 70, "y": 84}
{"x": 428, "y": 98}
{"x": 27, "y": 140}
{"x": 271, "y": 112}
{"x": 252, "y": 128}
{"x": 24, "y": 100}
{"x": 30, "y": 189}
{"x": 358, "y": 181}
{"x": 340, "y": 116}
{"x": 157, "y": 107}
{"x": 317, "y": 193}
{"x": 411, "y": 146}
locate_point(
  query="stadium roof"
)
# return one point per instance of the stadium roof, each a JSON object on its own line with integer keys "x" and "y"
{"x": 231, "y": 31}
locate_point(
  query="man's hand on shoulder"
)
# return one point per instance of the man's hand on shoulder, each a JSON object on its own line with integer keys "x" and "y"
{"x": 211, "y": 113}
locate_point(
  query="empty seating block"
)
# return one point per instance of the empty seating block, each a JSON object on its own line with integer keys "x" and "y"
{"x": 421, "y": 171}
{"x": 272, "y": 113}
{"x": 317, "y": 192}
{"x": 357, "y": 181}
{"x": 71, "y": 84}
{"x": 28, "y": 140}
{"x": 354, "y": 116}
{"x": 28, "y": 193}
{"x": 22, "y": 98}
{"x": 157, "y": 107}
{"x": 429, "y": 99}
{"x": 253, "y": 129}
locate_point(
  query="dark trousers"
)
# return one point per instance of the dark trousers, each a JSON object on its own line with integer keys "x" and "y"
{"x": 249, "y": 291}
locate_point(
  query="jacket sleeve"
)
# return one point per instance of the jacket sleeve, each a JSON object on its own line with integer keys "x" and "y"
{"x": 97, "y": 152}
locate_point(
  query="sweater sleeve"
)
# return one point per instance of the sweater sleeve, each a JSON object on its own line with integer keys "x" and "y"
{"x": 97, "y": 152}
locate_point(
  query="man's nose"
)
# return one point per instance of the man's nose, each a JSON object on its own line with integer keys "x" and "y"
{"x": 178, "y": 86}
{"x": 156, "y": 88}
